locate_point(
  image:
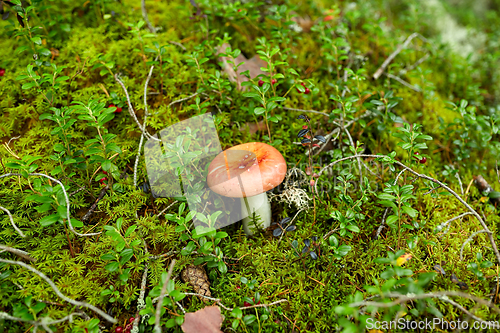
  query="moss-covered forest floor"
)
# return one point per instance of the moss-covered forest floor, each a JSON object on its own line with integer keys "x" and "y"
{"x": 386, "y": 112}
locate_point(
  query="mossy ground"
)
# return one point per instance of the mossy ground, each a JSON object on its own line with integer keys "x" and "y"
{"x": 313, "y": 287}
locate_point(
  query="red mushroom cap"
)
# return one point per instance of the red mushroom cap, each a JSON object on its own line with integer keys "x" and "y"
{"x": 246, "y": 170}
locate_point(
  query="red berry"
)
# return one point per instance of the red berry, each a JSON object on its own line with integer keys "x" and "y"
{"x": 302, "y": 84}
{"x": 131, "y": 320}
{"x": 104, "y": 172}
{"x": 304, "y": 127}
{"x": 300, "y": 92}
{"x": 274, "y": 81}
{"x": 261, "y": 83}
{"x": 423, "y": 160}
{"x": 238, "y": 287}
{"x": 246, "y": 303}
{"x": 328, "y": 18}
{"x": 307, "y": 91}
{"x": 119, "y": 329}
{"x": 239, "y": 10}
{"x": 2, "y": 72}
{"x": 111, "y": 106}
{"x": 102, "y": 180}
{"x": 118, "y": 110}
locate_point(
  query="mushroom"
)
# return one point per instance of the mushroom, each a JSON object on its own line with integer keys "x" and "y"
{"x": 248, "y": 171}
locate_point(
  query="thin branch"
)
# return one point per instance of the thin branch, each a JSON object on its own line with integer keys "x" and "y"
{"x": 439, "y": 294}
{"x": 146, "y": 114}
{"x": 459, "y": 198}
{"x": 330, "y": 233}
{"x": 461, "y": 308}
{"x": 468, "y": 240}
{"x": 399, "y": 48}
{"x": 182, "y": 100}
{"x": 219, "y": 302}
{"x": 498, "y": 172}
{"x": 77, "y": 191}
{"x": 58, "y": 293}
{"x": 44, "y": 322}
{"x": 403, "y": 82}
{"x": 140, "y": 302}
{"x": 65, "y": 196}
{"x": 157, "y": 328}
{"x": 444, "y": 224}
{"x": 415, "y": 65}
{"x": 20, "y": 253}
{"x": 178, "y": 44}
{"x": 94, "y": 205}
{"x": 132, "y": 112}
{"x": 382, "y": 225}
{"x": 145, "y": 17}
{"x": 290, "y": 223}
{"x": 359, "y": 159}
{"x": 163, "y": 211}
{"x": 12, "y": 221}
{"x": 329, "y": 136}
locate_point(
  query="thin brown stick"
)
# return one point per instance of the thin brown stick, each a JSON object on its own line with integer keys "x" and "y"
{"x": 94, "y": 205}
{"x": 439, "y": 294}
{"x": 145, "y": 17}
{"x": 58, "y": 292}
{"x": 219, "y": 302}
{"x": 399, "y": 48}
{"x": 459, "y": 198}
{"x": 403, "y": 82}
{"x": 12, "y": 221}
{"x": 157, "y": 328}
{"x": 20, "y": 253}
{"x": 178, "y": 44}
{"x": 65, "y": 196}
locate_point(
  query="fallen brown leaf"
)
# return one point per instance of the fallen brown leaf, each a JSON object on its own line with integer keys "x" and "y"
{"x": 206, "y": 320}
{"x": 253, "y": 65}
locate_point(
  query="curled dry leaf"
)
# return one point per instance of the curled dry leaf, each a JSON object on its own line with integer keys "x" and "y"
{"x": 253, "y": 65}
{"x": 206, "y": 320}
{"x": 198, "y": 279}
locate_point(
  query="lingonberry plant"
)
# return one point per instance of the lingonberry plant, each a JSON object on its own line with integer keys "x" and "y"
{"x": 87, "y": 235}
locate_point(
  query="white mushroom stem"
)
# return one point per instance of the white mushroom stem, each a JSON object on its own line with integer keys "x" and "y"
{"x": 258, "y": 204}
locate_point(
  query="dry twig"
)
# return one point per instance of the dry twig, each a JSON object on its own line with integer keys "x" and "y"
{"x": 458, "y": 197}
{"x": 12, "y": 222}
{"x": 58, "y": 292}
{"x": 65, "y": 196}
{"x": 157, "y": 328}
{"x": 399, "y": 48}
{"x": 18, "y": 252}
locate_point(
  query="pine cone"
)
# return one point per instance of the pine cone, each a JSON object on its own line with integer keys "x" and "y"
{"x": 198, "y": 279}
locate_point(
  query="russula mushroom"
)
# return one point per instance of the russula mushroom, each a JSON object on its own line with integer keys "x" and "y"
{"x": 248, "y": 171}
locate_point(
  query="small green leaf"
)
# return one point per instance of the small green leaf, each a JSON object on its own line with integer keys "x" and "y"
{"x": 37, "y": 40}
{"x": 49, "y": 220}
{"x": 112, "y": 267}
